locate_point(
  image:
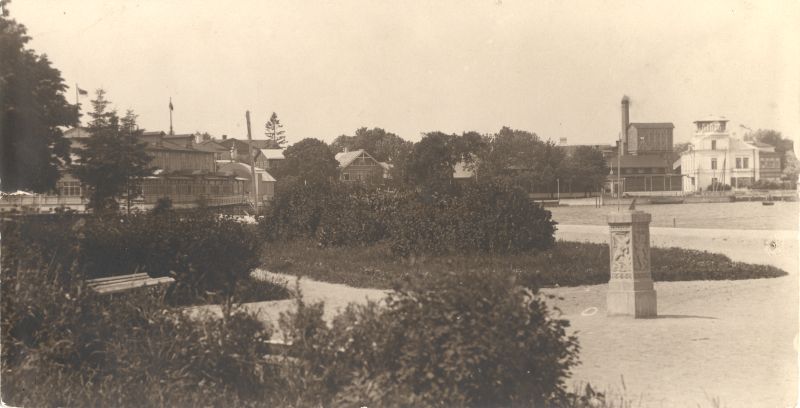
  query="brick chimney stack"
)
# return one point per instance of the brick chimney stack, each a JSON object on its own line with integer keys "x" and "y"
{"x": 625, "y": 122}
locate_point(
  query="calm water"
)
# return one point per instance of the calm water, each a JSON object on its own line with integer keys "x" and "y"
{"x": 741, "y": 215}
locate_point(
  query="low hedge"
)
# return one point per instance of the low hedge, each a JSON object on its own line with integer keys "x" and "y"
{"x": 565, "y": 264}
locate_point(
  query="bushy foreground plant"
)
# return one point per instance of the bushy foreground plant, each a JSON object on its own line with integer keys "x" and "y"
{"x": 482, "y": 217}
{"x": 457, "y": 339}
{"x": 64, "y": 345}
{"x": 205, "y": 252}
{"x": 464, "y": 339}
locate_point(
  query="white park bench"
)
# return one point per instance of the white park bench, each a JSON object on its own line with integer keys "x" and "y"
{"x": 122, "y": 283}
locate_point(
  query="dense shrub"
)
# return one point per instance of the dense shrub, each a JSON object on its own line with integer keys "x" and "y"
{"x": 482, "y": 217}
{"x": 354, "y": 215}
{"x": 295, "y": 210}
{"x": 206, "y": 253}
{"x": 772, "y": 185}
{"x": 63, "y": 345}
{"x": 502, "y": 220}
{"x": 457, "y": 339}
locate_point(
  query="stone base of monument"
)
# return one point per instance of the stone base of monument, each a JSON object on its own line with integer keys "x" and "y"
{"x": 638, "y": 304}
{"x": 630, "y": 288}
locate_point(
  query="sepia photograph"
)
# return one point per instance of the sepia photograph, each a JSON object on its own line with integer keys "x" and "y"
{"x": 352, "y": 203}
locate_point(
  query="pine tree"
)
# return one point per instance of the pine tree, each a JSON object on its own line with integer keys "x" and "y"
{"x": 112, "y": 159}
{"x": 274, "y": 131}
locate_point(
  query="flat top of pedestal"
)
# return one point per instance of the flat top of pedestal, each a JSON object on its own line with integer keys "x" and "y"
{"x": 628, "y": 216}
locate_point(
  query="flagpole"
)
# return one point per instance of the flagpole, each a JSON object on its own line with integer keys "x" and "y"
{"x": 170, "y": 116}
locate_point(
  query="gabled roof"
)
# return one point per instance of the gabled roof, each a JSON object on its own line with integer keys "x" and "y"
{"x": 712, "y": 118}
{"x": 167, "y": 145}
{"x": 242, "y": 169}
{"x": 77, "y": 133}
{"x": 210, "y": 146}
{"x": 263, "y": 144}
{"x": 257, "y": 143}
{"x": 345, "y": 158}
{"x": 660, "y": 125}
{"x": 462, "y": 171}
{"x": 273, "y": 154}
{"x": 764, "y": 147}
{"x": 182, "y": 136}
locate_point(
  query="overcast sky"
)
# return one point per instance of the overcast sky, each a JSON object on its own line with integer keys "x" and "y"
{"x": 557, "y": 68}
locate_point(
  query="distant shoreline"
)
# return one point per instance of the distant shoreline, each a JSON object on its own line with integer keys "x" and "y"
{"x": 751, "y": 215}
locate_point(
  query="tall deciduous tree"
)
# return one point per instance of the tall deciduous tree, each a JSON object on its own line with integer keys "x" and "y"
{"x": 520, "y": 159}
{"x": 776, "y": 140}
{"x": 274, "y": 130}
{"x": 113, "y": 158}
{"x": 33, "y": 150}
{"x": 429, "y": 165}
{"x": 311, "y": 161}
{"x": 383, "y": 146}
{"x": 585, "y": 170}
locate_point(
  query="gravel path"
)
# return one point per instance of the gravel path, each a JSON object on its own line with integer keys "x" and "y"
{"x": 735, "y": 341}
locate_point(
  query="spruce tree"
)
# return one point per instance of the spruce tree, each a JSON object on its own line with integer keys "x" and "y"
{"x": 274, "y": 131}
{"x": 113, "y": 158}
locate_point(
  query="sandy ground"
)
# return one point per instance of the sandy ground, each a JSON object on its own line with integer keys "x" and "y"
{"x": 733, "y": 341}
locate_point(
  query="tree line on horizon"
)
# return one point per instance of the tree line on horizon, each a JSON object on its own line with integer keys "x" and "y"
{"x": 34, "y": 151}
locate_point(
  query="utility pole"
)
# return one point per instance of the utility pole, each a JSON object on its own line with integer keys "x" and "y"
{"x": 619, "y": 170}
{"x": 252, "y": 162}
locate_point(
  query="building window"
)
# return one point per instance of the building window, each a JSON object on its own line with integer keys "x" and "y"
{"x": 346, "y": 176}
{"x": 714, "y": 145}
{"x": 738, "y": 162}
{"x": 713, "y": 164}
{"x": 69, "y": 188}
{"x": 745, "y": 162}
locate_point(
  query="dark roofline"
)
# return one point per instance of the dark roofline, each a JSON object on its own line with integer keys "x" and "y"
{"x": 652, "y": 125}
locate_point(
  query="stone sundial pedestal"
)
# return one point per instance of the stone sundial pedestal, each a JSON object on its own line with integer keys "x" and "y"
{"x": 630, "y": 289}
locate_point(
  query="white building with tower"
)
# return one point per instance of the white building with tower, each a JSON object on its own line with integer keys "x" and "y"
{"x": 716, "y": 158}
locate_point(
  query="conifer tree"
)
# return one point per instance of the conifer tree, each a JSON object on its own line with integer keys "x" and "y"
{"x": 274, "y": 131}
{"x": 113, "y": 158}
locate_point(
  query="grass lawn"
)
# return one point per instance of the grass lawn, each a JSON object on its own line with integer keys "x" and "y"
{"x": 566, "y": 264}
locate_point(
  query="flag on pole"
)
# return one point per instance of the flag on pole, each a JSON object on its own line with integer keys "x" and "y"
{"x": 170, "y": 104}
{"x": 81, "y": 91}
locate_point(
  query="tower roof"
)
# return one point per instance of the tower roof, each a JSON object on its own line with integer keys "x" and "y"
{"x": 712, "y": 118}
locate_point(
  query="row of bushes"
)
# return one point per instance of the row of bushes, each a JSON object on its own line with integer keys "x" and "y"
{"x": 204, "y": 252}
{"x": 460, "y": 339}
{"x": 481, "y": 217}
{"x": 773, "y": 185}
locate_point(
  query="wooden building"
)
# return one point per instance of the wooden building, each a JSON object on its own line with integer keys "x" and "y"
{"x": 359, "y": 166}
